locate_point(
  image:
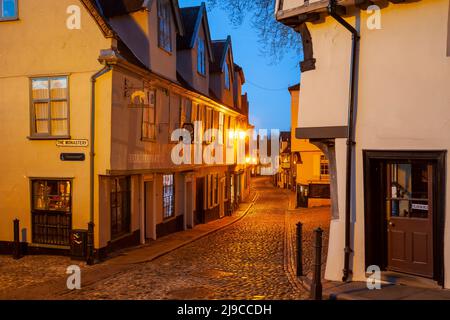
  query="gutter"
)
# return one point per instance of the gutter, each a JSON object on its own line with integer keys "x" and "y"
{"x": 350, "y": 136}
{"x": 90, "y": 244}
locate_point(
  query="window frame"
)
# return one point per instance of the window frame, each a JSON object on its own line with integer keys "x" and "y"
{"x": 324, "y": 168}
{"x": 12, "y": 18}
{"x": 201, "y": 56}
{"x": 48, "y": 136}
{"x": 227, "y": 77}
{"x": 144, "y": 122}
{"x": 171, "y": 197}
{"x": 164, "y": 6}
{"x": 127, "y": 212}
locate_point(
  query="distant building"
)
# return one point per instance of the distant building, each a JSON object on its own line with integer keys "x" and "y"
{"x": 310, "y": 167}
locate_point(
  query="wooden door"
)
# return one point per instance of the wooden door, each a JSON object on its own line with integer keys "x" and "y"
{"x": 199, "y": 199}
{"x": 409, "y": 206}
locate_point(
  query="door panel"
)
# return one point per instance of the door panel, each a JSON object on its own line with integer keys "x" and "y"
{"x": 410, "y": 217}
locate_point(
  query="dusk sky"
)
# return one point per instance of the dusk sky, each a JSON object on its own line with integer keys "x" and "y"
{"x": 266, "y": 83}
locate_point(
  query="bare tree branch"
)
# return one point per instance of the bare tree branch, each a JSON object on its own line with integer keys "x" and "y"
{"x": 275, "y": 38}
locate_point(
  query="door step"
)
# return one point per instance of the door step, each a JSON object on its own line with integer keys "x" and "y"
{"x": 397, "y": 278}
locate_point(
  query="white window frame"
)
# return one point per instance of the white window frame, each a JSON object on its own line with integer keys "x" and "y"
{"x": 34, "y": 134}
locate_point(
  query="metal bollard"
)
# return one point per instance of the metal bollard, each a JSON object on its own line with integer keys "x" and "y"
{"x": 299, "y": 250}
{"x": 90, "y": 244}
{"x": 316, "y": 286}
{"x": 16, "y": 248}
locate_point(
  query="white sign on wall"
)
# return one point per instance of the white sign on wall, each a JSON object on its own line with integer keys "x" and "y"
{"x": 72, "y": 143}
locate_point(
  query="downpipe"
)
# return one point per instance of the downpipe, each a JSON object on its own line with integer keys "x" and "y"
{"x": 90, "y": 244}
{"x": 350, "y": 135}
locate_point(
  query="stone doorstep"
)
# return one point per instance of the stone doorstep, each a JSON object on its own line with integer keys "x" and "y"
{"x": 56, "y": 288}
{"x": 359, "y": 291}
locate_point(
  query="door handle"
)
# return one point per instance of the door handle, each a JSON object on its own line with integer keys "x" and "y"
{"x": 391, "y": 224}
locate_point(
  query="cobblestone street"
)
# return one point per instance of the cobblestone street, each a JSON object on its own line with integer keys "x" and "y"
{"x": 243, "y": 261}
{"x": 250, "y": 259}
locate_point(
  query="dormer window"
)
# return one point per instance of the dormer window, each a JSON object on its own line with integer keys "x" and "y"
{"x": 201, "y": 57}
{"x": 164, "y": 25}
{"x": 8, "y": 10}
{"x": 227, "y": 77}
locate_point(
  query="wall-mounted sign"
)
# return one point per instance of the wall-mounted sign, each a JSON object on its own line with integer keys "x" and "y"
{"x": 417, "y": 206}
{"x": 72, "y": 143}
{"x": 72, "y": 156}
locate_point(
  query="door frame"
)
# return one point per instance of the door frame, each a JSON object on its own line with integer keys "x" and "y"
{"x": 375, "y": 227}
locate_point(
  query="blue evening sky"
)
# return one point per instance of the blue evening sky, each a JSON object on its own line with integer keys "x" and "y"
{"x": 267, "y": 83}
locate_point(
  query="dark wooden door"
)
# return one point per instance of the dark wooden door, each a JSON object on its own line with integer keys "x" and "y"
{"x": 199, "y": 209}
{"x": 409, "y": 206}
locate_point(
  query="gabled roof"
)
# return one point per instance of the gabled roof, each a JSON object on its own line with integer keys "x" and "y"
{"x": 238, "y": 69}
{"x": 102, "y": 10}
{"x": 220, "y": 50}
{"x": 193, "y": 18}
{"x": 295, "y": 87}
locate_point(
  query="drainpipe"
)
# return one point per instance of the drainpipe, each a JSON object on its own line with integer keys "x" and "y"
{"x": 90, "y": 257}
{"x": 350, "y": 135}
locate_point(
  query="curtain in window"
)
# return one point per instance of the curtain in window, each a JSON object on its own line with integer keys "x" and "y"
{"x": 50, "y": 106}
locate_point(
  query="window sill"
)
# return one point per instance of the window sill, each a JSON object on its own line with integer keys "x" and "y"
{"x": 49, "y": 138}
{"x": 170, "y": 53}
{"x": 168, "y": 219}
{"x": 201, "y": 74}
{"x": 9, "y": 19}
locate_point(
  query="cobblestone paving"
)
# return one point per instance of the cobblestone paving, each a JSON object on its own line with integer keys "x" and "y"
{"x": 243, "y": 261}
{"x": 32, "y": 270}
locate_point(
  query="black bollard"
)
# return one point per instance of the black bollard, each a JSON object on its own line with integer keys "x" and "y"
{"x": 16, "y": 249}
{"x": 316, "y": 286}
{"x": 299, "y": 250}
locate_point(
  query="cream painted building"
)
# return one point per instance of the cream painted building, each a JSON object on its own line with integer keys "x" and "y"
{"x": 88, "y": 111}
{"x": 390, "y": 208}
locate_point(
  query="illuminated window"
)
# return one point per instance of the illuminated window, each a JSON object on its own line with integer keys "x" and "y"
{"x": 149, "y": 116}
{"x": 51, "y": 211}
{"x": 49, "y": 107}
{"x": 324, "y": 167}
{"x": 168, "y": 196}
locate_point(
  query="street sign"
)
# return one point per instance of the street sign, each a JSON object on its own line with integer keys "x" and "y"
{"x": 72, "y": 143}
{"x": 72, "y": 156}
